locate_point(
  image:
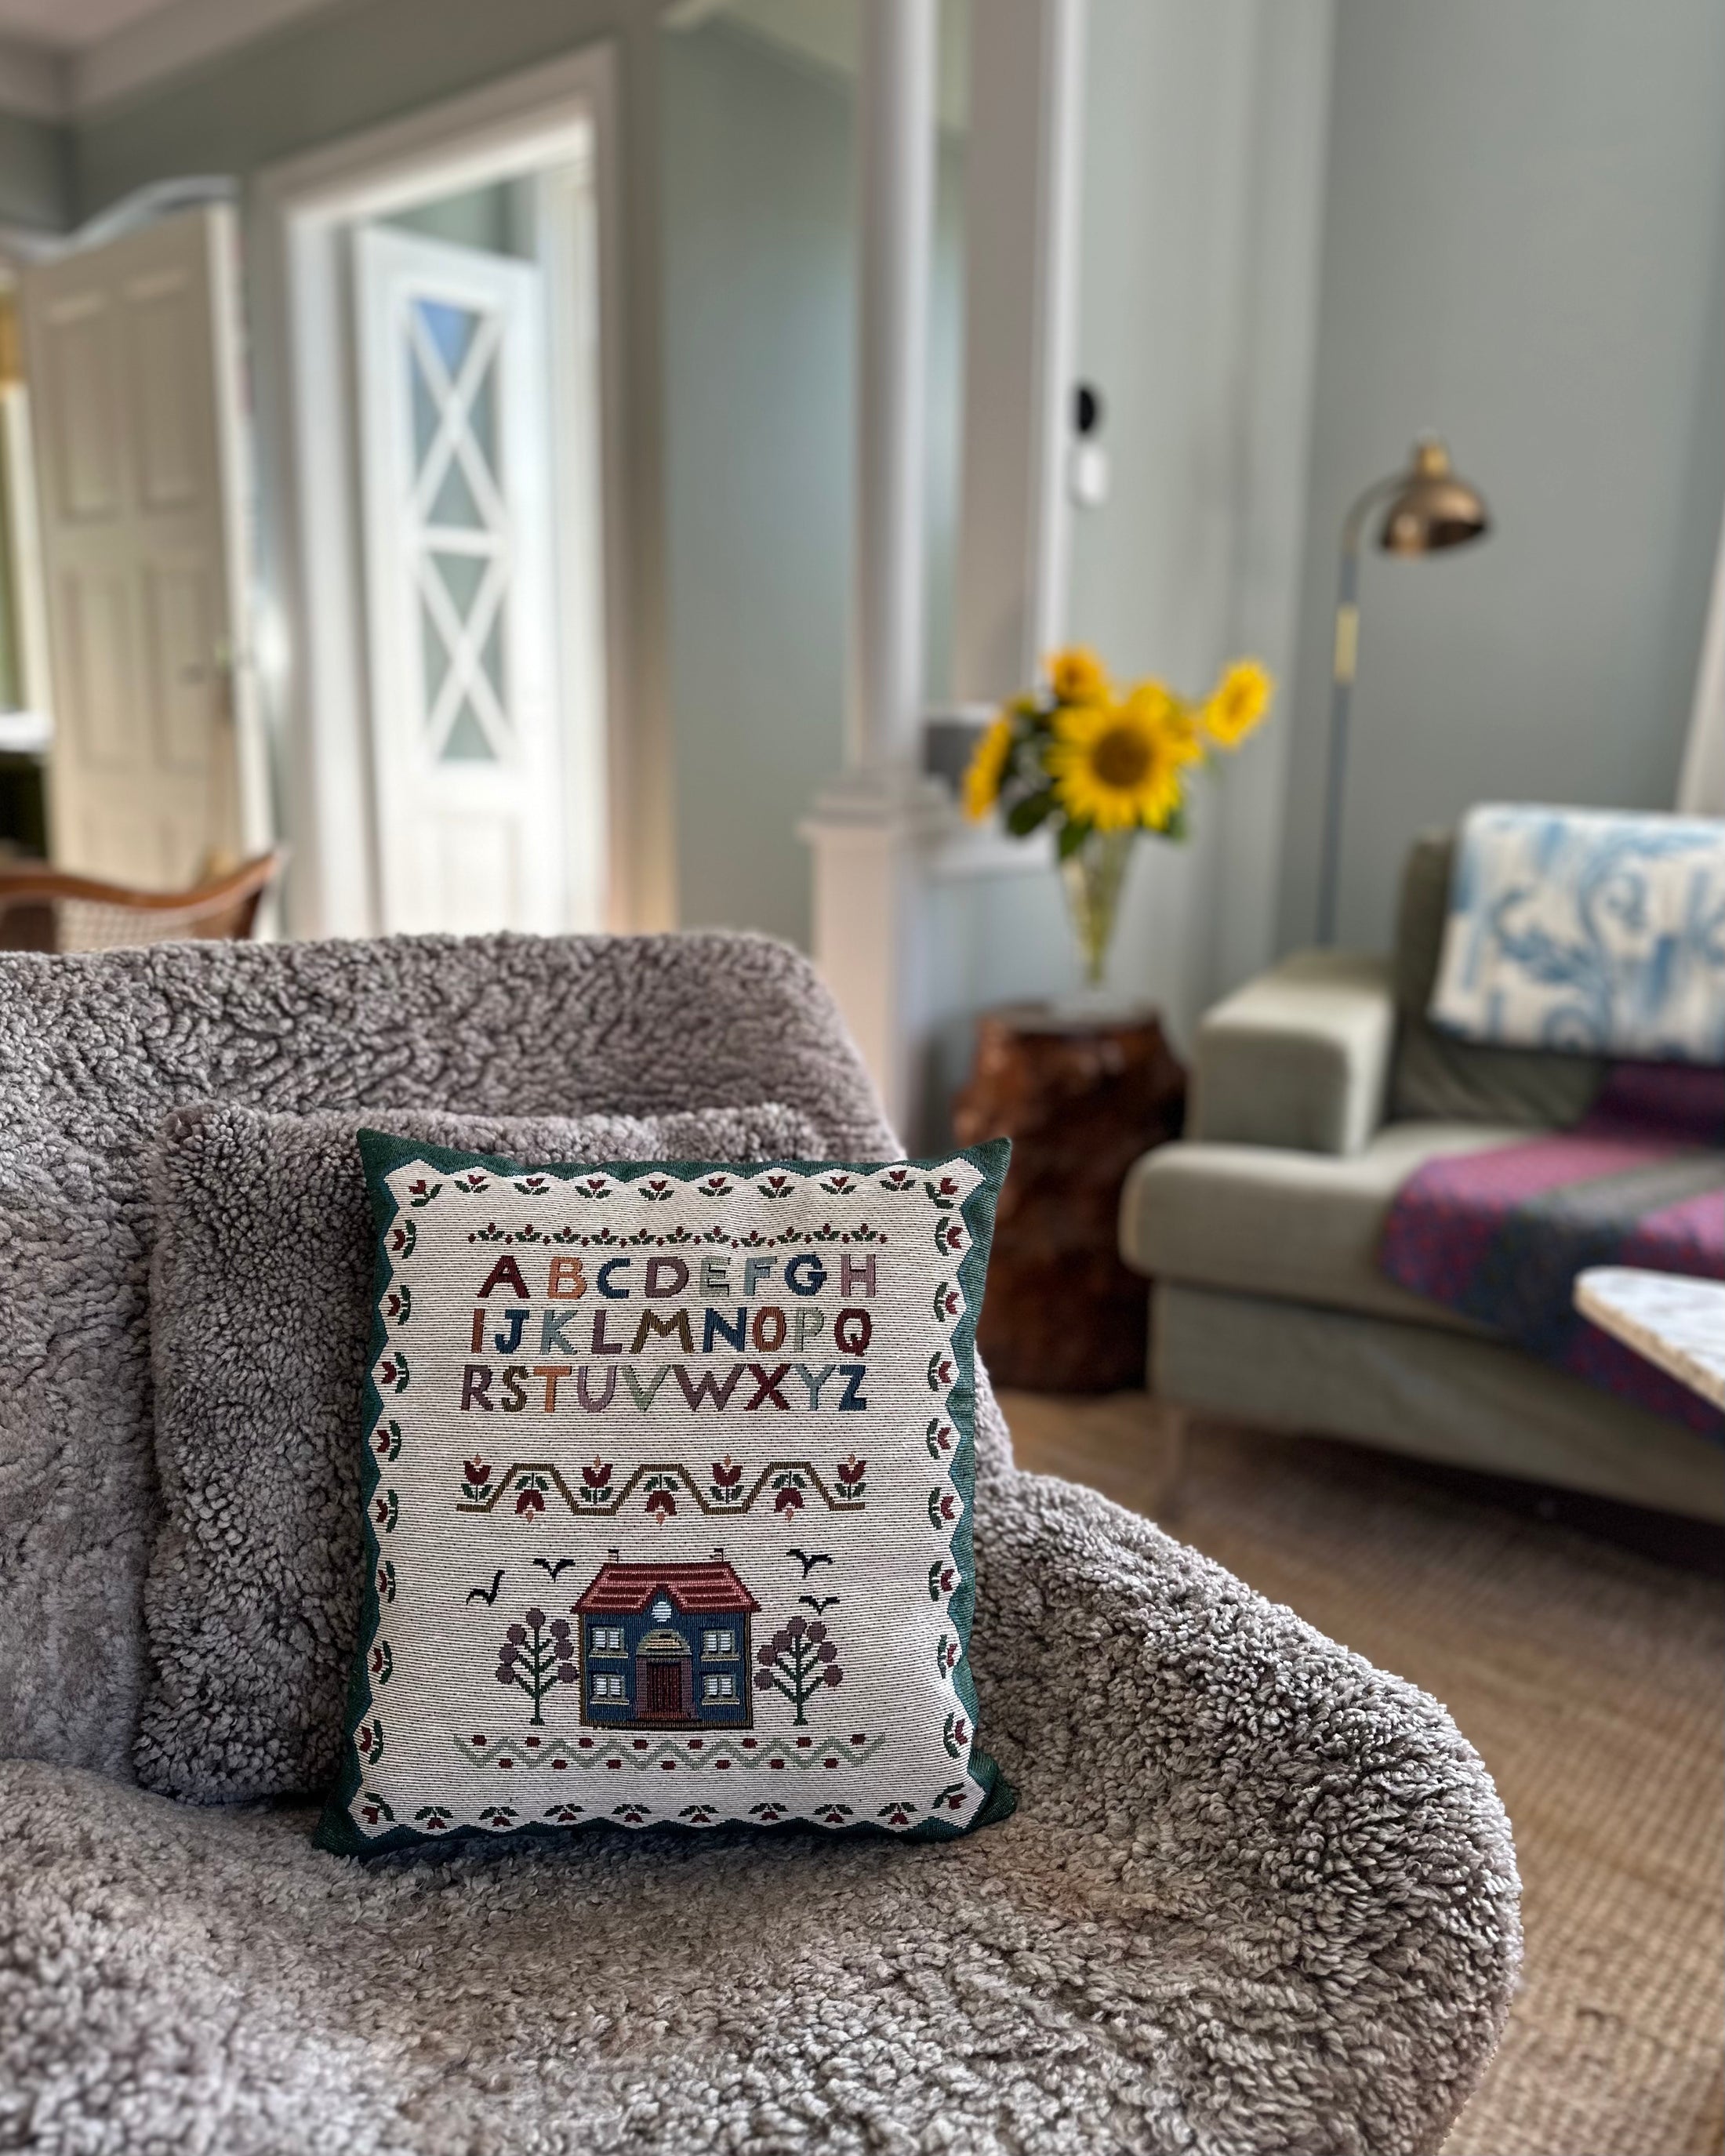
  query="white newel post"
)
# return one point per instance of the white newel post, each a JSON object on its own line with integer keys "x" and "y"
{"x": 881, "y": 831}
{"x": 861, "y": 827}
{"x": 897, "y": 131}
{"x": 1021, "y": 202}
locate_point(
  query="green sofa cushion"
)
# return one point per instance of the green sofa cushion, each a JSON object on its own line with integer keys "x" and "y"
{"x": 1268, "y": 1220}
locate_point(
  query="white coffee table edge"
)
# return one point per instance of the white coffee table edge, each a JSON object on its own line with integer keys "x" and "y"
{"x": 1675, "y": 1320}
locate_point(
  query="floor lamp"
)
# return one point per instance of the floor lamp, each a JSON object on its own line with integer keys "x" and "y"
{"x": 1429, "y": 508}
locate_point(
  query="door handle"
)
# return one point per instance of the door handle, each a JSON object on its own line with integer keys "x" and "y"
{"x": 219, "y": 666}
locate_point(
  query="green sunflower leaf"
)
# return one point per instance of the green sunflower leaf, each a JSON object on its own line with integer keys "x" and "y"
{"x": 1023, "y": 816}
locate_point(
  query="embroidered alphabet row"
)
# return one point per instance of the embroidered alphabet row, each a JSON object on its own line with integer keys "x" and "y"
{"x": 515, "y": 1396}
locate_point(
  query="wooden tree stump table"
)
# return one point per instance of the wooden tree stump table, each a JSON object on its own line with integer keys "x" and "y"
{"x": 1080, "y": 1096}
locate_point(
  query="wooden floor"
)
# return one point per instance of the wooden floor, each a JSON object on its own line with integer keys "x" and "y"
{"x": 1587, "y": 1673}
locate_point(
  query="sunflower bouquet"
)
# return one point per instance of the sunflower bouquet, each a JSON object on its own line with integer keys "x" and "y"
{"x": 1099, "y": 766}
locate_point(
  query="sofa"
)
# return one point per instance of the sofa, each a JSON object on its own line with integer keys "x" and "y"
{"x": 1317, "y": 1090}
{"x": 1258, "y": 1898}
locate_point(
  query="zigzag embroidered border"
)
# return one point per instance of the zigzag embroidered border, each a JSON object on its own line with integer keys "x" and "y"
{"x": 696, "y": 1753}
{"x": 601, "y": 1510}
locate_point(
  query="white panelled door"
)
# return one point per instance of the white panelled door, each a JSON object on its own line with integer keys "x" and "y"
{"x": 133, "y": 368}
{"x": 456, "y": 457}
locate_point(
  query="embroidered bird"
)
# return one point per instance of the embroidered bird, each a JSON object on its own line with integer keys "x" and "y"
{"x": 483, "y": 1594}
{"x": 808, "y": 1562}
{"x": 820, "y": 1604}
{"x": 556, "y": 1571}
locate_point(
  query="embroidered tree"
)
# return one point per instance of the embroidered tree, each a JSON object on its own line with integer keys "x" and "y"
{"x": 798, "y": 1660}
{"x": 536, "y": 1657}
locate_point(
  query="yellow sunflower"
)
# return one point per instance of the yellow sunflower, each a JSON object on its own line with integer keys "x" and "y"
{"x": 1173, "y": 715}
{"x": 1118, "y": 766}
{"x": 1077, "y": 677}
{"x": 987, "y": 769}
{"x": 1238, "y": 702}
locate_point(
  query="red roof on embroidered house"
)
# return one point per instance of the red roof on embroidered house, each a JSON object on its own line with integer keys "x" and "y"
{"x": 698, "y": 1590}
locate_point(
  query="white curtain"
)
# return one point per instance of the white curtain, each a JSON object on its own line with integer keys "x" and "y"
{"x": 1700, "y": 786}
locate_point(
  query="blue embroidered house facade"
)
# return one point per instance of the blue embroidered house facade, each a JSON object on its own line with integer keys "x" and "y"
{"x": 666, "y": 1646}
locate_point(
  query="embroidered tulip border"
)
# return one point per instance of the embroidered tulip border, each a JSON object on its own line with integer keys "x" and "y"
{"x": 382, "y": 1153}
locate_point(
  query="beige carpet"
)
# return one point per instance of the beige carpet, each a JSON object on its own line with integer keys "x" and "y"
{"x": 1590, "y": 1681}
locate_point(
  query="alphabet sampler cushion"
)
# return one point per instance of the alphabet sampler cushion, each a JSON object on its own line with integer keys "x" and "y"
{"x": 667, "y": 1492}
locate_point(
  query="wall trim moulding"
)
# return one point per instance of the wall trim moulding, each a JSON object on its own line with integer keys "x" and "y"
{"x": 881, "y": 842}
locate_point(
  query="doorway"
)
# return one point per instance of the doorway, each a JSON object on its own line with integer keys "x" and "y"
{"x": 664, "y": 1685}
{"x": 441, "y": 350}
{"x": 127, "y": 477}
{"x": 455, "y": 420}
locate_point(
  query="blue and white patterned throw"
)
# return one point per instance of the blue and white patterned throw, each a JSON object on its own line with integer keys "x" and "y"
{"x": 1587, "y": 931}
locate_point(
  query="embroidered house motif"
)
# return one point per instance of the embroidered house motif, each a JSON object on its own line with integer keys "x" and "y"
{"x": 666, "y": 1646}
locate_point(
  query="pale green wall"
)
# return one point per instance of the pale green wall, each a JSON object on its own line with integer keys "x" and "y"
{"x": 1525, "y": 248}
{"x": 1165, "y": 286}
{"x": 759, "y": 337}
{"x": 1162, "y": 235}
{"x": 35, "y": 172}
{"x": 760, "y": 401}
{"x": 1201, "y": 179}
{"x": 496, "y": 219}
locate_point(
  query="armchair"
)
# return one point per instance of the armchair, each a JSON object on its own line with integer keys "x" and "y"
{"x": 1257, "y": 1897}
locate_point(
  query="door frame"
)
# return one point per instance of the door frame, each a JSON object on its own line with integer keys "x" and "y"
{"x": 313, "y": 666}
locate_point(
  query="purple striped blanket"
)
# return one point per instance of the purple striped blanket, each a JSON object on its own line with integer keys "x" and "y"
{"x": 1500, "y": 1235}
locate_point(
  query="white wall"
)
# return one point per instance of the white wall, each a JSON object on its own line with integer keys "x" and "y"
{"x": 1524, "y": 247}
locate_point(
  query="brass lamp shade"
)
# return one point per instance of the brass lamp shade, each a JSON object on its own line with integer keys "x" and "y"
{"x": 1432, "y": 507}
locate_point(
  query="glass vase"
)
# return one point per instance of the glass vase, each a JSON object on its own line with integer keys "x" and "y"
{"x": 1094, "y": 877}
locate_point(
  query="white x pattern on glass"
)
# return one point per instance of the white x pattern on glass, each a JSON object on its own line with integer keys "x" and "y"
{"x": 453, "y": 454}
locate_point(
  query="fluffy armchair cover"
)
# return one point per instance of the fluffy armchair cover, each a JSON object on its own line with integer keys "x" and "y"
{"x": 1257, "y": 1897}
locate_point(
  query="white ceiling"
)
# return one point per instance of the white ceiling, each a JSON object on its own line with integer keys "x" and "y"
{"x": 70, "y": 24}
{"x": 61, "y": 57}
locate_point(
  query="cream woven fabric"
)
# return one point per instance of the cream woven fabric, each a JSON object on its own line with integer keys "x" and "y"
{"x": 668, "y": 1500}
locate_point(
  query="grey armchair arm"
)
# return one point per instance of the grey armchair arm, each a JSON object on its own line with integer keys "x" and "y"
{"x": 1298, "y": 1058}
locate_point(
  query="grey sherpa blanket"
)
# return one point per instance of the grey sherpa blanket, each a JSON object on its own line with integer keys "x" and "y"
{"x": 1258, "y": 1896}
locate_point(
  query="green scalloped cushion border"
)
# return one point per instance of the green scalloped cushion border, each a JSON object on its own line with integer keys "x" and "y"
{"x": 381, "y": 1153}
